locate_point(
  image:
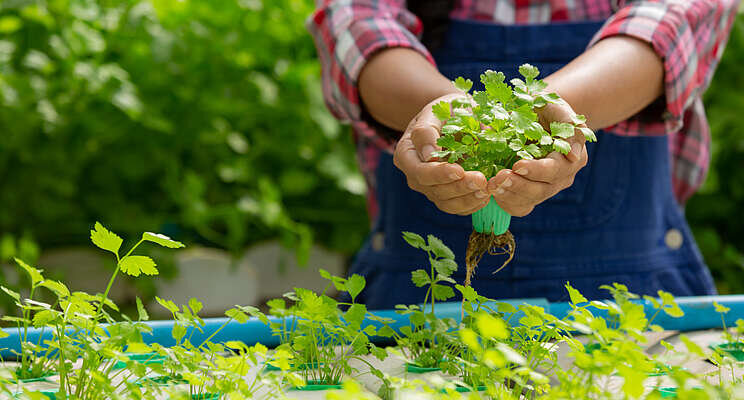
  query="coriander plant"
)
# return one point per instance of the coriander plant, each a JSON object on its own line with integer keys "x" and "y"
{"x": 489, "y": 131}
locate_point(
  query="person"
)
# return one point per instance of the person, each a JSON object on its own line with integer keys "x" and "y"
{"x": 607, "y": 212}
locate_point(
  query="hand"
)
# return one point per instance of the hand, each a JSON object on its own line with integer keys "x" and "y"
{"x": 447, "y": 185}
{"x": 530, "y": 182}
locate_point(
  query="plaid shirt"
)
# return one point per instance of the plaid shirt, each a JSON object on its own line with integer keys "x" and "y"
{"x": 689, "y": 35}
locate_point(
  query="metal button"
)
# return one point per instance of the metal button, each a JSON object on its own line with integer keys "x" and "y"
{"x": 673, "y": 239}
{"x": 378, "y": 241}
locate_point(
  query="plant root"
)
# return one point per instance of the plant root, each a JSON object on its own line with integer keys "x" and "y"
{"x": 480, "y": 243}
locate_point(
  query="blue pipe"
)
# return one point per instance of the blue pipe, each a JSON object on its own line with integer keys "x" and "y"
{"x": 699, "y": 314}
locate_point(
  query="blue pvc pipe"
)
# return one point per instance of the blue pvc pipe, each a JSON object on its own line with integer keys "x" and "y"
{"x": 699, "y": 314}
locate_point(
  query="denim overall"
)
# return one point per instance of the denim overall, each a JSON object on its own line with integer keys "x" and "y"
{"x": 619, "y": 222}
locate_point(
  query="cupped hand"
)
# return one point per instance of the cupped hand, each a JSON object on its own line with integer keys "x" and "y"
{"x": 530, "y": 182}
{"x": 449, "y": 186}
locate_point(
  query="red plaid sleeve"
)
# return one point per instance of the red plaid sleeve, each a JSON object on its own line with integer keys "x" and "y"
{"x": 690, "y": 36}
{"x": 347, "y": 33}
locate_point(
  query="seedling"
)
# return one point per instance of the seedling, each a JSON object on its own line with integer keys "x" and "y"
{"x": 319, "y": 336}
{"x": 490, "y": 131}
{"x": 428, "y": 342}
{"x": 36, "y": 361}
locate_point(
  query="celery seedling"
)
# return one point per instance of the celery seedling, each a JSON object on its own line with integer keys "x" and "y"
{"x": 490, "y": 131}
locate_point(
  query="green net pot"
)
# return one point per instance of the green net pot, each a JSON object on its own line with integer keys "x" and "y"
{"x": 142, "y": 358}
{"x": 312, "y": 385}
{"x": 733, "y": 349}
{"x": 491, "y": 219}
{"x": 206, "y": 396}
{"x": 417, "y": 369}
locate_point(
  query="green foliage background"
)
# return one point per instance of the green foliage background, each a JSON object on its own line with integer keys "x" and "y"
{"x": 715, "y": 212}
{"x": 204, "y": 120}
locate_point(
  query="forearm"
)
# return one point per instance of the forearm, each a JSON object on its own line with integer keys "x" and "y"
{"x": 612, "y": 81}
{"x": 396, "y": 83}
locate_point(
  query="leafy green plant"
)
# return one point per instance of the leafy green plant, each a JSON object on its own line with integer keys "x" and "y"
{"x": 499, "y": 126}
{"x": 84, "y": 79}
{"x": 320, "y": 337}
{"x": 36, "y": 361}
{"x": 427, "y": 341}
{"x": 709, "y": 212}
{"x": 490, "y": 131}
{"x": 496, "y": 351}
{"x": 77, "y": 319}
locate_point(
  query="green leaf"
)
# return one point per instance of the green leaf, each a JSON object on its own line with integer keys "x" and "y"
{"x": 588, "y": 134}
{"x": 444, "y": 266}
{"x": 534, "y": 150}
{"x": 162, "y": 240}
{"x": 522, "y": 118}
{"x": 447, "y": 142}
{"x": 141, "y": 311}
{"x": 470, "y": 339}
{"x": 325, "y": 274}
{"x": 562, "y": 130}
{"x": 450, "y": 129}
{"x": 574, "y": 294}
{"x": 561, "y": 146}
{"x": 386, "y": 331}
{"x": 178, "y": 332}
{"x": 578, "y": 119}
{"x": 136, "y": 265}
{"x": 481, "y": 98}
{"x": 505, "y": 308}
{"x": 442, "y": 292}
{"x": 550, "y": 98}
{"x": 354, "y": 285}
{"x": 415, "y": 240}
{"x": 495, "y": 86}
{"x": 105, "y": 239}
{"x": 535, "y": 131}
{"x": 420, "y": 278}
{"x": 9, "y": 24}
{"x": 692, "y": 347}
{"x": 473, "y": 125}
{"x": 721, "y": 309}
{"x": 525, "y": 155}
{"x": 355, "y": 315}
{"x": 439, "y": 248}
{"x": 633, "y": 380}
{"x": 33, "y": 273}
{"x": 537, "y": 86}
{"x": 11, "y": 293}
{"x": 195, "y": 305}
{"x": 468, "y": 293}
{"x": 492, "y": 327}
{"x": 43, "y": 318}
{"x": 653, "y": 301}
{"x": 655, "y": 328}
{"x": 167, "y": 304}
{"x": 463, "y": 84}
{"x": 674, "y": 311}
{"x": 442, "y": 110}
{"x": 237, "y": 315}
{"x": 57, "y": 287}
{"x": 529, "y": 72}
